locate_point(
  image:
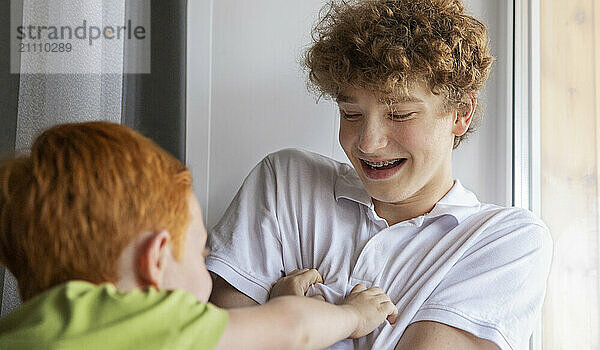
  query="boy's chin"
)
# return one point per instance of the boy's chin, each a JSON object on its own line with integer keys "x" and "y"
{"x": 389, "y": 196}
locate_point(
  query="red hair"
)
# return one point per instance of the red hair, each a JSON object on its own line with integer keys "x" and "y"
{"x": 84, "y": 193}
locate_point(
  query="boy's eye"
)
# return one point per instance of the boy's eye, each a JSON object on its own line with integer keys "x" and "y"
{"x": 351, "y": 116}
{"x": 400, "y": 117}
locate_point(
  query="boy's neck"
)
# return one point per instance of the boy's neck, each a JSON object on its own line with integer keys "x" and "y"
{"x": 419, "y": 204}
{"x": 129, "y": 274}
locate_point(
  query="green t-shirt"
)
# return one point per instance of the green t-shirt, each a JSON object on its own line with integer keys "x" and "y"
{"x": 80, "y": 315}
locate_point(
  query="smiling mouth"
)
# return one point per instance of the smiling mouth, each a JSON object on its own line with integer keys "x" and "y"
{"x": 384, "y": 165}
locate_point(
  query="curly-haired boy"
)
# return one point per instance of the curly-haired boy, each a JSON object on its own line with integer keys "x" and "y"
{"x": 464, "y": 274}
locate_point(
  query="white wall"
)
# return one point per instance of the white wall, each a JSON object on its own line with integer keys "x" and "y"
{"x": 247, "y": 97}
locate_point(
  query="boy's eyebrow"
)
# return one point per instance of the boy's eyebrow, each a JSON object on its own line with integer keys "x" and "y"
{"x": 384, "y": 100}
{"x": 400, "y": 99}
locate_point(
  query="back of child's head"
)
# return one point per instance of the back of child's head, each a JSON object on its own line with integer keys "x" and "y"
{"x": 83, "y": 194}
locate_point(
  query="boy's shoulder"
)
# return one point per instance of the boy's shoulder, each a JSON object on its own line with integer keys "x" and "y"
{"x": 298, "y": 173}
{"x": 299, "y": 159}
{"x": 304, "y": 167}
{"x": 511, "y": 216}
{"x": 515, "y": 227}
{"x": 79, "y": 313}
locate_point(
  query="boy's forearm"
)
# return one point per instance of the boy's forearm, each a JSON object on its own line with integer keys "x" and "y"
{"x": 289, "y": 323}
{"x": 320, "y": 323}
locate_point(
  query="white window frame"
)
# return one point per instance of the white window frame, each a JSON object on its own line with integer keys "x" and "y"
{"x": 526, "y": 100}
{"x": 526, "y": 116}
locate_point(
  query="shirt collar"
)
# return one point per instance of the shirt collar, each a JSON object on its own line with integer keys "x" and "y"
{"x": 349, "y": 186}
{"x": 458, "y": 202}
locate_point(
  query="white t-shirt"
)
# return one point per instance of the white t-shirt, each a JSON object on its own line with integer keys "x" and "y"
{"x": 478, "y": 267}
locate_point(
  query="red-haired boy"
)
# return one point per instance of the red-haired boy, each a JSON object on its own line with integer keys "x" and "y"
{"x": 102, "y": 231}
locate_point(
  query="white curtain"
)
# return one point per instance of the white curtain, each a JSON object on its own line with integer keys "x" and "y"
{"x": 53, "y": 90}
{"x": 76, "y": 88}
{"x": 128, "y": 81}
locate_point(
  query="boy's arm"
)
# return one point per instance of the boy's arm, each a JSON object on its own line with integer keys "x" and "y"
{"x": 292, "y": 322}
{"x": 225, "y": 296}
{"x": 426, "y": 335}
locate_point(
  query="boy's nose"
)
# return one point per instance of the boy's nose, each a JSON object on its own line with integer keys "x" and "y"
{"x": 373, "y": 137}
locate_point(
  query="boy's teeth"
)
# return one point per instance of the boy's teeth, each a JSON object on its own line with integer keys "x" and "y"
{"x": 381, "y": 164}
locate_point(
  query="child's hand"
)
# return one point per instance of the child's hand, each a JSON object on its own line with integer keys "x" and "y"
{"x": 296, "y": 283}
{"x": 372, "y": 306}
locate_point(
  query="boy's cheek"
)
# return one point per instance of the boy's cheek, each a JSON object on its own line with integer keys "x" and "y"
{"x": 208, "y": 290}
{"x": 203, "y": 286}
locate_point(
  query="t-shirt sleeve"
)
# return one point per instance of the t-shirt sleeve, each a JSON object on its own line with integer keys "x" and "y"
{"x": 102, "y": 317}
{"x": 204, "y": 329}
{"x": 245, "y": 246}
{"x": 496, "y": 290}
{"x": 180, "y": 321}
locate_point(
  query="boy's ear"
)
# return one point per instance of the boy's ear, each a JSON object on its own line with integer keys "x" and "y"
{"x": 464, "y": 115}
{"x": 153, "y": 259}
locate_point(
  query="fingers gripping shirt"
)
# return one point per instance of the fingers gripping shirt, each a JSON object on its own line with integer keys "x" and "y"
{"x": 477, "y": 267}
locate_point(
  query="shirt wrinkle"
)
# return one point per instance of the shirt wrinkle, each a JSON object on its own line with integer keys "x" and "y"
{"x": 270, "y": 169}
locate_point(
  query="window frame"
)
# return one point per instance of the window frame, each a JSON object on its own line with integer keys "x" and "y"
{"x": 526, "y": 135}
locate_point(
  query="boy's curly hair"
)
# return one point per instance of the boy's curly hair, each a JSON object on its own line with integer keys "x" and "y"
{"x": 84, "y": 193}
{"x": 385, "y": 45}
